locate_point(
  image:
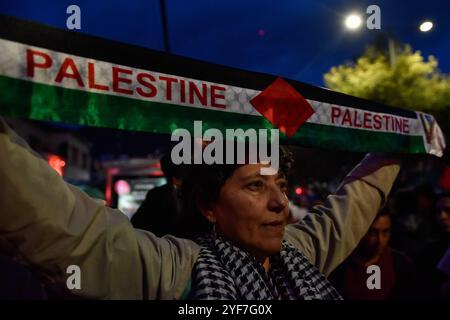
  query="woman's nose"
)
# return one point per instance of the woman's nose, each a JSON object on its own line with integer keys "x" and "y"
{"x": 278, "y": 200}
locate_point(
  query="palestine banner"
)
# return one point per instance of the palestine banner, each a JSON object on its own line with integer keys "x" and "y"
{"x": 64, "y": 76}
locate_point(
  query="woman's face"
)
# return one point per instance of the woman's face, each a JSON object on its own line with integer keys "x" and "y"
{"x": 252, "y": 210}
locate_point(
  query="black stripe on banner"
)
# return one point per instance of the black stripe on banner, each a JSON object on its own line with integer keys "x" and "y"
{"x": 79, "y": 44}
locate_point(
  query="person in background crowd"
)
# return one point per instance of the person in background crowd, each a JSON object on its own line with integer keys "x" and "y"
{"x": 160, "y": 212}
{"x": 413, "y": 221}
{"x": 436, "y": 283}
{"x": 397, "y": 273}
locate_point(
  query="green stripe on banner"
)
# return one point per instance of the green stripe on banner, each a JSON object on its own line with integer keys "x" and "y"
{"x": 314, "y": 135}
{"x": 43, "y": 102}
{"x": 26, "y": 99}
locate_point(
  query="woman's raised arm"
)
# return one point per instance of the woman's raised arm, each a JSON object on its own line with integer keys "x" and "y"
{"x": 331, "y": 231}
{"x": 52, "y": 225}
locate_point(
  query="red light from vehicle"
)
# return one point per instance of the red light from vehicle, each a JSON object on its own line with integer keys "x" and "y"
{"x": 122, "y": 187}
{"x": 57, "y": 163}
{"x": 158, "y": 173}
{"x": 298, "y": 191}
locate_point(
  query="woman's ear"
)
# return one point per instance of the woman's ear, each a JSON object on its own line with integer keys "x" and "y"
{"x": 208, "y": 212}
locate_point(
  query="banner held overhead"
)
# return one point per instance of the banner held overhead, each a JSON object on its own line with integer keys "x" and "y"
{"x": 57, "y": 75}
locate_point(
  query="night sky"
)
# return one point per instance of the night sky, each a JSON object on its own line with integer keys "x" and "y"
{"x": 300, "y": 40}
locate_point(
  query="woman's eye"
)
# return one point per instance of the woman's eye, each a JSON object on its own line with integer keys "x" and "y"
{"x": 255, "y": 185}
{"x": 283, "y": 186}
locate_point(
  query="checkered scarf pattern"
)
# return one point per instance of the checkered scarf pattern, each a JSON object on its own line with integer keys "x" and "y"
{"x": 226, "y": 272}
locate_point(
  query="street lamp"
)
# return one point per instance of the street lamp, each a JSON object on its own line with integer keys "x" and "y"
{"x": 426, "y": 26}
{"x": 353, "y": 22}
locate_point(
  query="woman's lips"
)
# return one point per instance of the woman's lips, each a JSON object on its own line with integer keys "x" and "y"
{"x": 277, "y": 223}
{"x": 274, "y": 228}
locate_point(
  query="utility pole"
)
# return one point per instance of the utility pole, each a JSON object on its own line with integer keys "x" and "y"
{"x": 392, "y": 51}
{"x": 162, "y": 7}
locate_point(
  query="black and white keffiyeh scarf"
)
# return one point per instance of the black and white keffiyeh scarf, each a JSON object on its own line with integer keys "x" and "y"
{"x": 225, "y": 272}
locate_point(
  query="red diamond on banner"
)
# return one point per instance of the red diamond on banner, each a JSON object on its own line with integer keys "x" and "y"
{"x": 283, "y": 106}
